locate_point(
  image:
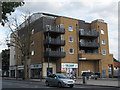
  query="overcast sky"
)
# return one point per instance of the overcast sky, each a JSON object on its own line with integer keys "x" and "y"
{"x": 87, "y": 10}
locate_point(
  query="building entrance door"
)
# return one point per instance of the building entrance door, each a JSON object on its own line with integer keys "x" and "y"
{"x": 50, "y": 70}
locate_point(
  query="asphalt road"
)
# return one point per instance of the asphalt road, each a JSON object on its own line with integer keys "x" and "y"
{"x": 30, "y": 84}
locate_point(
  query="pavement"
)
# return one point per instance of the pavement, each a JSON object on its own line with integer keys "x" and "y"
{"x": 106, "y": 82}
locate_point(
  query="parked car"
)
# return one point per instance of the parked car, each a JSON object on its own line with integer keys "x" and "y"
{"x": 59, "y": 80}
{"x": 90, "y": 75}
{"x": 97, "y": 73}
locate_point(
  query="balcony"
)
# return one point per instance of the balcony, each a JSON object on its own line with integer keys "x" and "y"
{"x": 89, "y": 45}
{"x": 54, "y": 30}
{"x": 55, "y": 54}
{"x": 52, "y": 41}
{"x": 92, "y": 56}
{"x": 91, "y": 34}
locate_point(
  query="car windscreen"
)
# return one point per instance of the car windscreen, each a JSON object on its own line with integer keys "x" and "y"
{"x": 61, "y": 76}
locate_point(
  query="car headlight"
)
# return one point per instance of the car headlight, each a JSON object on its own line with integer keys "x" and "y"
{"x": 65, "y": 81}
{"x": 73, "y": 81}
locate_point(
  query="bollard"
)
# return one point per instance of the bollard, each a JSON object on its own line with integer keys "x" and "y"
{"x": 84, "y": 80}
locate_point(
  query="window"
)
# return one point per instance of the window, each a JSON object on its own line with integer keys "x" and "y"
{"x": 32, "y": 43}
{"x": 62, "y": 49}
{"x": 48, "y": 27}
{"x": 61, "y": 25}
{"x": 70, "y": 28}
{"x": 23, "y": 44}
{"x": 102, "y": 31}
{"x": 61, "y": 37}
{"x": 33, "y": 52}
{"x": 103, "y": 41}
{"x": 104, "y": 52}
{"x": 71, "y": 50}
{"x": 18, "y": 56}
{"x": 32, "y": 31}
{"x": 70, "y": 39}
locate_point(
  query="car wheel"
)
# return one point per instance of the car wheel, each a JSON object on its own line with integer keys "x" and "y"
{"x": 59, "y": 85}
{"x": 71, "y": 86}
{"x": 47, "y": 84}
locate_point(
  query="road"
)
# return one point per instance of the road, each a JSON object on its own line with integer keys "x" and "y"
{"x": 30, "y": 84}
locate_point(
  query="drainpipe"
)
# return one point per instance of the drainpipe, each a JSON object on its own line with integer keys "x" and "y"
{"x": 77, "y": 32}
{"x": 48, "y": 54}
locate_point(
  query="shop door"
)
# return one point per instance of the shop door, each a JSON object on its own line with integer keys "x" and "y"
{"x": 103, "y": 73}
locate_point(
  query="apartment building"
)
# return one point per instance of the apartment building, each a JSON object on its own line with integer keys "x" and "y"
{"x": 71, "y": 46}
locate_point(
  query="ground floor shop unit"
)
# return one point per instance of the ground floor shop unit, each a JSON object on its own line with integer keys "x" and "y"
{"x": 73, "y": 70}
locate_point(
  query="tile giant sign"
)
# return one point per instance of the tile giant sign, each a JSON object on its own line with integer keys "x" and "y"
{"x": 68, "y": 65}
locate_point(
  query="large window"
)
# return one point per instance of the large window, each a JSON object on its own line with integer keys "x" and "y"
{"x": 104, "y": 52}
{"x": 32, "y": 31}
{"x": 61, "y": 37}
{"x": 102, "y": 31}
{"x": 70, "y": 28}
{"x": 71, "y": 51}
{"x": 62, "y": 49}
{"x": 103, "y": 41}
{"x": 70, "y": 39}
{"x": 32, "y": 43}
{"x": 33, "y": 52}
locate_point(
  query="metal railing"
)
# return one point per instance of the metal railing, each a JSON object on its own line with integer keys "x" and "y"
{"x": 55, "y": 30}
{"x": 96, "y": 53}
{"x": 91, "y": 33}
{"x": 90, "y": 44}
{"x": 54, "y": 41}
{"x": 57, "y": 54}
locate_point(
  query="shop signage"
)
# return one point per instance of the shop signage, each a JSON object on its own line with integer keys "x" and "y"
{"x": 69, "y": 65}
{"x": 20, "y": 67}
{"x": 34, "y": 66}
{"x": 12, "y": 68}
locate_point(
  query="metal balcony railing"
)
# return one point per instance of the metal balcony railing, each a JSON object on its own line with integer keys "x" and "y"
{"x": 52, "y": 41}
{"x": 96, "y": 53}
{"x": 54, "y": 30}
{"x": 90, "y": 34}
{"x": 90, "y": 44}
{"x": 55, "y": 54}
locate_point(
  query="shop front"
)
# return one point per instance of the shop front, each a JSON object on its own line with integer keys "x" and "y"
{"x": 36, "y": 71}
{"x": 20, "y": 71}
{"x": 70, "y": 69}
{"x": 12, "y": 71}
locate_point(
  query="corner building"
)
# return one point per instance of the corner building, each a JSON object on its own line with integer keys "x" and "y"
{"x": 72, "y": 46}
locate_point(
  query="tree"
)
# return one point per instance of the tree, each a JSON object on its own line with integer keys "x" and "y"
{"x": 21, "y": 39}
{"x": 5, "y": 61}
{"x": 9, "y": 8}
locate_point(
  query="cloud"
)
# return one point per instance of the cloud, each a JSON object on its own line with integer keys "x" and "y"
{"x": 87, "y": 10}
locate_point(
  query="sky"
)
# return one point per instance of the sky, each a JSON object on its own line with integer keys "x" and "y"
{"x": 87, "y": 10}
